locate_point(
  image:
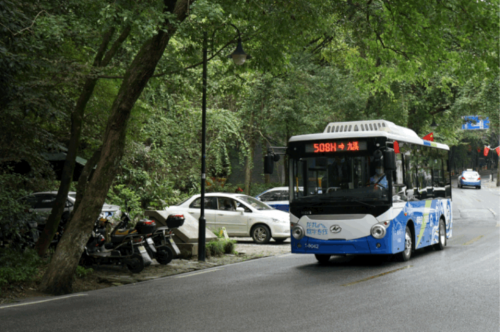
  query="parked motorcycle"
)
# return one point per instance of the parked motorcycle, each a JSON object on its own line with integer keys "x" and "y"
{"x": 126, "y": 246}
{"x": 160, "y": 244}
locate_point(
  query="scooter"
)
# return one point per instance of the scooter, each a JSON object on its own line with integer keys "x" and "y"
{"x": 126, "y": 246}
{"x": 160, "y": 244}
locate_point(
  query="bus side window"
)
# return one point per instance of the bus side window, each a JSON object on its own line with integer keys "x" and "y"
{"x": 398, "y": 180}
{"x": 446, "y": 173}
{"x": 410, "y": 170}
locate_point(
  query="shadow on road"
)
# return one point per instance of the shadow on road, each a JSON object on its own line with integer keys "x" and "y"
{"x": 365, "y": 260}
{"x": 250, "y": 241}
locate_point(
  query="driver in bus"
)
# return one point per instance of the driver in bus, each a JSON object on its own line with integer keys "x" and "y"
{"x": 379, "y": 177}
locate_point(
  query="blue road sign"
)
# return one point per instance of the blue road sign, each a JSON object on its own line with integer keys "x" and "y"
{"x": 475, "y": 122}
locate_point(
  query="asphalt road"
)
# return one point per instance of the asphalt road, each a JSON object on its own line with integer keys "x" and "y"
{"x": 452, "y": 290}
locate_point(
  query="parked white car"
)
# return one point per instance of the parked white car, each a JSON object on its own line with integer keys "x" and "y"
{"x": 241, "y": 215}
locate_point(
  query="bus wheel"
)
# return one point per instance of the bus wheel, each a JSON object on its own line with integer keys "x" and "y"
{"x": 406, "y": 253}
{"x": 322, "y": 259}
{"x": 442, "y": 236}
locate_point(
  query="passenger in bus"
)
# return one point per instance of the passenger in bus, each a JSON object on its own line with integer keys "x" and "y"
{"x": 379, "y": 178}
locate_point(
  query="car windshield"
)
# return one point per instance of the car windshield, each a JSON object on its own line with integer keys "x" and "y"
{"x": 342, "y": 177}
{"x": 256, "y": 204}
{"x": 72, "y": 195}
{"x": 471, "y": 174}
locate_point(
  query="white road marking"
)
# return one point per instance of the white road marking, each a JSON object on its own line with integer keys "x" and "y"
{"x": 285, "y": 255}
{"x": 492, "y": 211}
{"x": 196, "y": 273}
{"x": 54, "y": 299}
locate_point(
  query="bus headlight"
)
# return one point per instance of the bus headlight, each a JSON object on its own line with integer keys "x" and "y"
{"x": 298, "y": 232}
{"x": 378, "y": 231}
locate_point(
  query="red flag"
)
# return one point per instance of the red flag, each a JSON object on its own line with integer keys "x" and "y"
{"x": 486, "y": 150}
{"x": 396, "y": 147}
{"x": 497, "y": 149}
{"x": 429, "y": 137}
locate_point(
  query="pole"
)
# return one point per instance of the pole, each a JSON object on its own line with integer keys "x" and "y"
{"x": 202, "y": 223}
{"x": 498, "y": 164}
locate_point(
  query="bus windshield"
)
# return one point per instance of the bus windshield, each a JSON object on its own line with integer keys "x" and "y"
{"x": 342, "y": 177}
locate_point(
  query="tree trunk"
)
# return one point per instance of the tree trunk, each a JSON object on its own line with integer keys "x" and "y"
{"x": 59, "y": 275}
{"x": 81, "y": 187}
{"x": 250, "y": 157}
{"x": 69, "y": 165}
{"x": 249, "y": 166}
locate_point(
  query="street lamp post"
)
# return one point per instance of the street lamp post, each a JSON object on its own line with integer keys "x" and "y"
{"x": 239, "y": 57}
{"x": 433, "y": 124}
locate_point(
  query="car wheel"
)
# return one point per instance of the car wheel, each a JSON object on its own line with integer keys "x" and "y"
{"x": 164, "y": 255}
{"x": 322, "y": 259}
{"x": 442, "y": 236}
{"x": 406, "y": 253}
{"x": 261, "y": 234}
{"x": 478, "y": 187}
{"x": 279, "y": 240}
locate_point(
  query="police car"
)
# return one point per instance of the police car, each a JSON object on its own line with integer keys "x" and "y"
{"x": 469, "y": 178}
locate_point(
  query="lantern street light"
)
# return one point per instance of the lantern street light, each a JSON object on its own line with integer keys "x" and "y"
{"x": 433, "y": 124}
{"x": 239, "y": 57}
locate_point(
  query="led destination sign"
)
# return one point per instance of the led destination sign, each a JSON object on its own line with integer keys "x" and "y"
{"x": 337, "y": 146}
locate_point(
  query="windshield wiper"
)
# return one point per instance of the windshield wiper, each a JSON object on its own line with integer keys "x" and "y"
{"x": 360, "y": 202}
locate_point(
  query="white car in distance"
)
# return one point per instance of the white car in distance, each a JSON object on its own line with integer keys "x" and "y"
{"x": 241, "y": 215}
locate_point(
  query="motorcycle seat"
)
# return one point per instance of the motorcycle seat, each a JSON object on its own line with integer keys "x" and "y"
{"x": 120, "y": 235}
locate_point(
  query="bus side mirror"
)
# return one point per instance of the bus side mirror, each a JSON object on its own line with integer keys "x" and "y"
{"x": 268, "y": 164}
{"x": 389, "y": 160}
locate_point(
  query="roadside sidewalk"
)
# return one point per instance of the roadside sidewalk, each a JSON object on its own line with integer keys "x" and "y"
{"x": 485, "y": 178}
{"x": 109, "y": 276}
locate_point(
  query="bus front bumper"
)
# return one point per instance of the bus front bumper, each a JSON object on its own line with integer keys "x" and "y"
{"x": 363, "y": 246}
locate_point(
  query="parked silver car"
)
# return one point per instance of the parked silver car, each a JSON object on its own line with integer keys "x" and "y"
{"x": 42, "y": 202}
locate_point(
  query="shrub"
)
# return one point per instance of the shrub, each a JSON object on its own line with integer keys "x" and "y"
{"x": 126, "y": 199}
{"x": 18, "y": 266}
{"x": 229, "y": 246}
{"x": 216, "y": 248}
{"x": 220, "y": 247}
{"x": 82, "y": 272}
{"x": 14, "y": 214}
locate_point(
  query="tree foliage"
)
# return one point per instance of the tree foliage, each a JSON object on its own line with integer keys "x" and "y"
{"x": 312, "y": 62}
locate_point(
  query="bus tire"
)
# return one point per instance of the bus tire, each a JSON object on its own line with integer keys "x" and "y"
{"x": 405, "y": 255}
{"x": 442, "y": 236}
{"x": 322, "y": 259}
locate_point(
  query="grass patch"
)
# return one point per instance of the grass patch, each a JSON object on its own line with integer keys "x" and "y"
{"x": 220, "y": 247}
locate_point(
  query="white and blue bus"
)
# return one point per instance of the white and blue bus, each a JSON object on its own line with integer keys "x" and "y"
{"x": 368, "y": 187}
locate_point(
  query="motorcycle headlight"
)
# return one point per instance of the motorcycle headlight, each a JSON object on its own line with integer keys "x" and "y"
{"x": 378, "y": 231}
{"x": 298, "y": 232}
